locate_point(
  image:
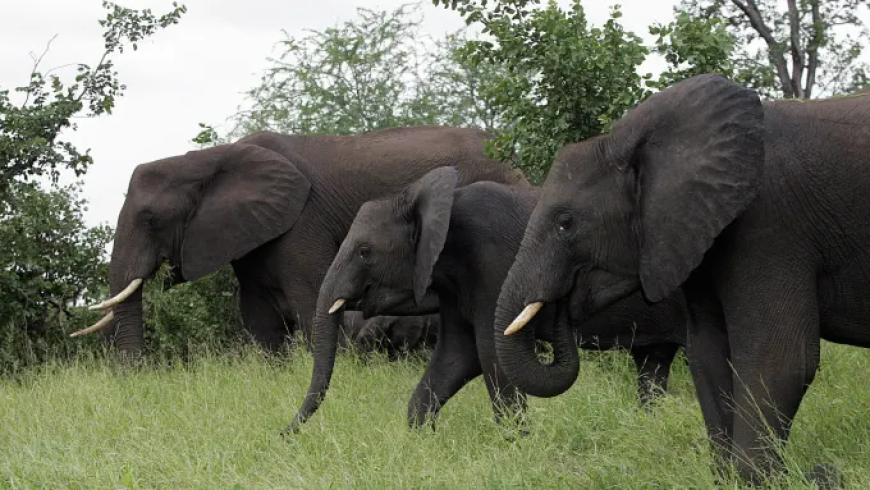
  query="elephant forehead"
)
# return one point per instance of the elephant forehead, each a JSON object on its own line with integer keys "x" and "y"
{"x": 579, "y": 164}
{"x": 378, "y": 223}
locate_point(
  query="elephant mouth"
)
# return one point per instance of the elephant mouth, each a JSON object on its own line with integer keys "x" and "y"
{"x": 384, "y": 303}
{"x": 571, "y": 307}
{"x": 375, "y": 302}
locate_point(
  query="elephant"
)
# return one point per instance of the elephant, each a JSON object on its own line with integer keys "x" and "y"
{"x": 395, "y": 335}
{"x": 459, "y": 243}
{"x": 274, "y": 206}
{"x": 757, "y": 211}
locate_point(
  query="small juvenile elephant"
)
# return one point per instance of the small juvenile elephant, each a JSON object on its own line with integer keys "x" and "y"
{"x": 459, "y": 244}
{"x": 395, "y": 335}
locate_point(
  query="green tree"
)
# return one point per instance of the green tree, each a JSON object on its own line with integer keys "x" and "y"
{"x": 459, "y": 88}
{"x": 360, "y": 76}
{"x": 564, "y": 79}
{"x": 800, "y": 49}
{"x": 371, "y": 72}
{"x": 50, "y": 261}
{"x": 694, "y": 46}
{"x": 30, "y": 131}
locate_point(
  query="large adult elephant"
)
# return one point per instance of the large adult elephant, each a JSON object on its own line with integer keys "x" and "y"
{"x": 759, "y": 212}
{"x": 460, "y": 243}
{"x": 274, "y": 206}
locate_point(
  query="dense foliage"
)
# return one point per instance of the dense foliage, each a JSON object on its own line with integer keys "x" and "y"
{"x": 565, "y": 79}
{"x": 49, "y": 263}
{"x": 191, "y": 315}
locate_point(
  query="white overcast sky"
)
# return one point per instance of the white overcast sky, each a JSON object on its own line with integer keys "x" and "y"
{"x": 195, "y": 71}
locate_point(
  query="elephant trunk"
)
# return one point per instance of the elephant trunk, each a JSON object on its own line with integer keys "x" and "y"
{"x": 326, "y": 328}
{"x": 129, "y": 338}
{"x": 516, "y": 352}
{"x": 127, "y": 281}
{"x": 129, "y": 267}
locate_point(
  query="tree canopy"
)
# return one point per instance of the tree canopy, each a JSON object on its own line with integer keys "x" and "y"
{"x": 797, "y": 50}
{"x": 371, "y": 72}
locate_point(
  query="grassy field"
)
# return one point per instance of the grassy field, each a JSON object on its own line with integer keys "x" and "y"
{"x": 214, "y": 423}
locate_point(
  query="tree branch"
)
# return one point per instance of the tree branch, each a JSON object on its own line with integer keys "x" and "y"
{"x": 36, "y": 62}
{"x": 797, "y": 55}
{"x": 813, "y": 48}
{"x": 775, "y": 51}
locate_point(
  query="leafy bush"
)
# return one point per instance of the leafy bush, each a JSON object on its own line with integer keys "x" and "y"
{"x": 192, "y": 315}
{"x": 49, "y": 263}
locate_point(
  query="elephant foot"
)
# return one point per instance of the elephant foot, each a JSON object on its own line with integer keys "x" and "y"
{"x": 648, "y": 399}
{"x": 291, "y": 429}
{"x": 418, "y": 424}
{"x": 513, "y": 434}
{"x": 513, "y": 429}
{"x": 826, "y": 477}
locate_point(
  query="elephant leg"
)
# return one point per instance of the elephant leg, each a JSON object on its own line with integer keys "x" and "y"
{"x": 709, "y": 352}
{"x": 262, "y": 320}
{"x": 653, "y": 370}
{"x": 775, "y": 351}
{"x": 453, "y": 364}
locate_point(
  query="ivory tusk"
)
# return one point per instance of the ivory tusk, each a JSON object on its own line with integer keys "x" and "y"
{"x": 120, "y": 297}
{"x": 337, "y": 305}
{"x": 106, "y": 320}
{"x": 525, "y": 317}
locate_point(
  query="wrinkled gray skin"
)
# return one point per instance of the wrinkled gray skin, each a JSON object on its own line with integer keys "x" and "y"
{"x": 276, "y": 207}
{"x": 395, "y": 335}
{"x": 460, "y": 243}
{"x": 759, "y": 212}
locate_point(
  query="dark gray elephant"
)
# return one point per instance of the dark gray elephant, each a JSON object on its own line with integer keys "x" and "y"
{"x": 395, "y": 335}
{"x": 274, "y": 206}
{"x": 759, "y": 212}
{"x": 461, "y": 243}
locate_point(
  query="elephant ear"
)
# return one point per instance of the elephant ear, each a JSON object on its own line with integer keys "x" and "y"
{"x": 249, "y": 195}
{"x": 430, "y": 201}
{"x": 698, "y": 152}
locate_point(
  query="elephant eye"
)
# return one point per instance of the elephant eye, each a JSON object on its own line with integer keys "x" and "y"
{"x": 364, "y": 252}
{"x": 564, "y": 222}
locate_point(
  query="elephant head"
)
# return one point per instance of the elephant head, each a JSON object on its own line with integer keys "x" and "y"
{"x": 384, "y": 264}
{"x": 633, "y": 209}
{"x": 198, "y": 211}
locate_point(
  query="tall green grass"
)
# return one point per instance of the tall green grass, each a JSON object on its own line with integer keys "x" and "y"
{"x": 213, "y": 423}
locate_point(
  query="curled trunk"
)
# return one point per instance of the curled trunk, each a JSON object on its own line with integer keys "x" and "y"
{"x": 517, "y": 354}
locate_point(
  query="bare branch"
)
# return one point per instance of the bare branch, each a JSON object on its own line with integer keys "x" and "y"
{"x": 797, "y": 55}
{"x": 813, "y": 48}
{"x": 776, "y": 53}
{"x": 36, "y": 62}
